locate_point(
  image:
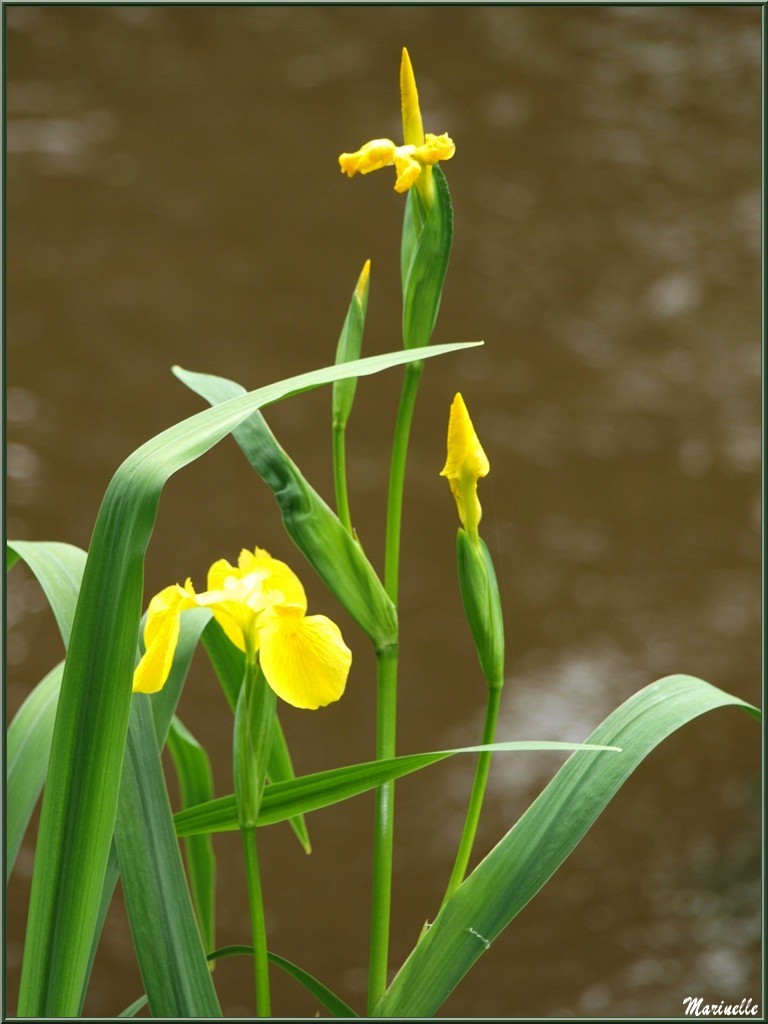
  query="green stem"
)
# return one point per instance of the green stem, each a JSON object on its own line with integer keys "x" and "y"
{"x": 340, "y": 474}
{"x": 476, "y": 797}
{"x": 386, "y": 721}
{"x": 383, "y": 838}
{"x": 258, "y": 924}
{"x": 413, "y": 373}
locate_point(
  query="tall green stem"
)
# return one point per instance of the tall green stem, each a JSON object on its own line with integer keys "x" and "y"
{"x": 397, "y": 466}
{"x": 476, "y": 797}
{"x": 386, "y": 722}
{"x": 383, "y": 838}
{"x": 258, "y": 924}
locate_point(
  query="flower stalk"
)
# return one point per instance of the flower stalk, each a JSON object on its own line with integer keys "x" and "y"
{"x": 465, "y": 464}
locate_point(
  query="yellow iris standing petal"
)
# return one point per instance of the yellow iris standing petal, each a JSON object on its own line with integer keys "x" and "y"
{"x": 466, "y": 462}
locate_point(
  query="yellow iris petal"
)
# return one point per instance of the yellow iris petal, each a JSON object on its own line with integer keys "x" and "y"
{"x": 161, "y": 635}
{"x": 261, "y": 605}
{"x": 304, "y": 658}
{"x": 465, "y": 463}
{"x": 371, "y": 157}
{"x": 280, "y": 584}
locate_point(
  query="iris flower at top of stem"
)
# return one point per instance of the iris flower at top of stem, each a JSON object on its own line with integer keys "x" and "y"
{"x": 261, "y": 606}
{"x": 413, "y": 161}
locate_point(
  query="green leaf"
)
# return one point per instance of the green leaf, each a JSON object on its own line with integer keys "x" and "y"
{"x": 321, "y": 789}
{"x": 227, "y": 661}
{"x": 58, "y": 569}
{"x": 280, "y": 769}
{"x": 28, "y": 747}
{"x": 530, "y": 853}
{"x": 81, "y": 795}
{"x": 163, "y": 927}
{"x": 193, "y": 770}
{"x": 327, "y": 999}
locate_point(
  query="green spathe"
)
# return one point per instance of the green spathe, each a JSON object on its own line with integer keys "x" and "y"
{"x": 424, "y": 253}
{"x": 482, "y": 605}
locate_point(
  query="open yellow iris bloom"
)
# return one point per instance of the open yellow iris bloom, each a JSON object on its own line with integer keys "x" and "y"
{"x": 466, "y": 462}
{"x": 415, "y": 158}
{"x": 261, "y": 606}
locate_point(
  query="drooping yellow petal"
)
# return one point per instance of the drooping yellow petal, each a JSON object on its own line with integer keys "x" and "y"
{"x": 465, "y": 463}
{"x": 408, "y": 169}
{"x": 413, "y": 129}
{"x": 304, "y": 658}
{"x": 371, "y": 157}
{"x": 161, "y": 635}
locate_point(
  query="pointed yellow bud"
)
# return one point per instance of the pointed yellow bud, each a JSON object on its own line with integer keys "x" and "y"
{"x": 361, "y": 290}
{"x": 413, "y": 129}
{"x": 466, "y": 462}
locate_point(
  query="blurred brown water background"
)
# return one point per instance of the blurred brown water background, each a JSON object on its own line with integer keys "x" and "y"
{"x": 174, "y": 197}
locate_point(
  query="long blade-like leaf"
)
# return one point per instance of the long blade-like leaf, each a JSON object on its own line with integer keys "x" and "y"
{"x": 58, "y": 568}
{"x": 329, "y": 1000}
{"x": 165, "y": 934}
{"x": 193, "y": 769}
{"x": 321, "y": 789}
{"x": 27, "y": 750}
{"x": 515, "y": 870}
{"x": 80, "y": 799}
{"x": 59, "y": 571}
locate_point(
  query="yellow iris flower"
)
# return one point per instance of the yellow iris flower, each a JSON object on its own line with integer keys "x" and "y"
{"x": 466, "y": 462}
{"x": 415, "y": 158}
{"x": 261, "y": 606}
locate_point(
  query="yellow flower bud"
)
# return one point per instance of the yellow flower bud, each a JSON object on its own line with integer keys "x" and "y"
{"x": 466, "y": 462}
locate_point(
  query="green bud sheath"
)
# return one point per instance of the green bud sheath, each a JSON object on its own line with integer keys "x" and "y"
{"x": 424, "y": 252}
{"x": 482, "y": 605}
{"x": 254, "y": 726}
{"x": 349, "y": 348}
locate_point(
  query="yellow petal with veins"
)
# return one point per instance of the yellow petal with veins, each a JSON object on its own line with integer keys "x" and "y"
{"x": 304, "y": 658}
